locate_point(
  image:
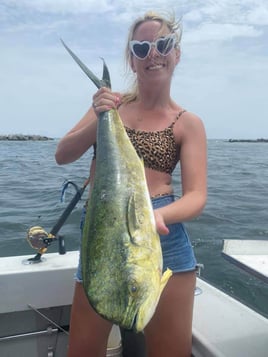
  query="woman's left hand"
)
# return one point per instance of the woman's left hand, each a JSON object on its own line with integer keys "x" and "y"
{"x": 161, "y": 227}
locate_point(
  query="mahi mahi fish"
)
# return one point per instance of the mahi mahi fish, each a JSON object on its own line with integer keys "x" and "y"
{"x": 121, "y": 251}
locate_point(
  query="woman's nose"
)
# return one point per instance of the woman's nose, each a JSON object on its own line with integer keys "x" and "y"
{"x": 153, "y": 52}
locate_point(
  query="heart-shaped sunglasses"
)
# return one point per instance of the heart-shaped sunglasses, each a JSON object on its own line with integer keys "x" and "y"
{"x": 163, "y": 45}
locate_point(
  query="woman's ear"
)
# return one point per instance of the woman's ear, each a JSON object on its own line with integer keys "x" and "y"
{"x": 178, "y": 55}
{"x": 132, "y": 64}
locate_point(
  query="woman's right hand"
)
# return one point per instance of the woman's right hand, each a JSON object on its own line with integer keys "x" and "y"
{"x": 104, "y": 99}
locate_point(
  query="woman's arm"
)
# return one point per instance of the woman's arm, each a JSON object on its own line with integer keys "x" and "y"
{"x": 193, "y": 160}
{"x": 78, "y": 140}
{"x": 83, "y": 135}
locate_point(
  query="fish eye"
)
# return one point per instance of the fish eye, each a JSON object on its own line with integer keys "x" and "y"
{"x": 133, "y": 287}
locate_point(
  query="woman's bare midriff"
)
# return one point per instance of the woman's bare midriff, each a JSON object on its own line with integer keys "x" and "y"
{"x": 160, "y": 183}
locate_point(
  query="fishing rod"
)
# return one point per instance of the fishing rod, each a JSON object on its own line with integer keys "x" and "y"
{"x": 39, "y": 239}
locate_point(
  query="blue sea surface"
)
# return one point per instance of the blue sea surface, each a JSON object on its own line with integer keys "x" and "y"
{"x": 31, "y": 183}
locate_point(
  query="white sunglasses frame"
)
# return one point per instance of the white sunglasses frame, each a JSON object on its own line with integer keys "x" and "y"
{"x": 151, "y": 44}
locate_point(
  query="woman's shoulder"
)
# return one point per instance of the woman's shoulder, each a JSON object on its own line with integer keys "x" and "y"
{"x": 189, "y": 123}
{"x": 188, "y": 119}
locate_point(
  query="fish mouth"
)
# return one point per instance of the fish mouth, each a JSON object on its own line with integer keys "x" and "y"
{"x": 131, "y": 317}
{"x": 134, "y": 322}
{"x": 136, "y": 326}
{"x": 138, "y": 323}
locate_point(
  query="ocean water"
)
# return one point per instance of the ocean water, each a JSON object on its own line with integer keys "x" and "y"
{"x": 31, "y": 183}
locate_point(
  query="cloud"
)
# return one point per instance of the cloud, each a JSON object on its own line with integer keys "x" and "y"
{"x": 221, "y": 32}
{"x": 250, "y": 12}
{"x": 221, "y": 75}
{"x": 203, "y": 21}
{"x": 61, "y": 7}
{"x": 259, "y": 15}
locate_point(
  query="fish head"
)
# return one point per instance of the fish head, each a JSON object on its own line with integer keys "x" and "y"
{"x": 144, "y": 289}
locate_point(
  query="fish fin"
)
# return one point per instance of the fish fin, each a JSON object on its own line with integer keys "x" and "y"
{"x": 105, "y": 82}
{"x": 164, "y": 279}
{"x": 135, "y": 219}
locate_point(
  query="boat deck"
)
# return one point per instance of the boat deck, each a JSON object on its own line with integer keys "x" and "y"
{"x": 249, "y": 255}
{"x": 222, "y": 326}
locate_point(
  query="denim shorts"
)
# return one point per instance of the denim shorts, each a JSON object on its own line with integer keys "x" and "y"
{"x": 178, "y": 254}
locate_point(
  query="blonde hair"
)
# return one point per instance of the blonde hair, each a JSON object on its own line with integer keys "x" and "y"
{"x": 170, "y": 22}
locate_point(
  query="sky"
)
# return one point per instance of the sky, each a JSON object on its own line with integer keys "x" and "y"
{"x": 222, "y": 75}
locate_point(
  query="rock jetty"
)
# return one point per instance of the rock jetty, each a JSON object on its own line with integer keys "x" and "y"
{"x": 21, "y": 137}
{"x": 248, "y": 140}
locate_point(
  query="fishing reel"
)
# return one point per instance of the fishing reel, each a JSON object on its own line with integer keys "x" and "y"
{"x": 40, "y": 240}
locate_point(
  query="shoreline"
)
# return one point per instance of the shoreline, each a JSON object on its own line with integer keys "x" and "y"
{"x": 21, "y": 137}
{"x": 34, "y": 137}
{"x": 248, "y": 140}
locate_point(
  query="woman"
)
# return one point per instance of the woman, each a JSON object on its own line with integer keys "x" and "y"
{"x": 163, "y": 133}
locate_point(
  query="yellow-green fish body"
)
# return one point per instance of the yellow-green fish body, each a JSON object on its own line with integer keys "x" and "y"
{"x": 121, "y": 252}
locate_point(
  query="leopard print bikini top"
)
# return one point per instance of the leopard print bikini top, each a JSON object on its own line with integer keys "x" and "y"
{"x": 158, "y": 149}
